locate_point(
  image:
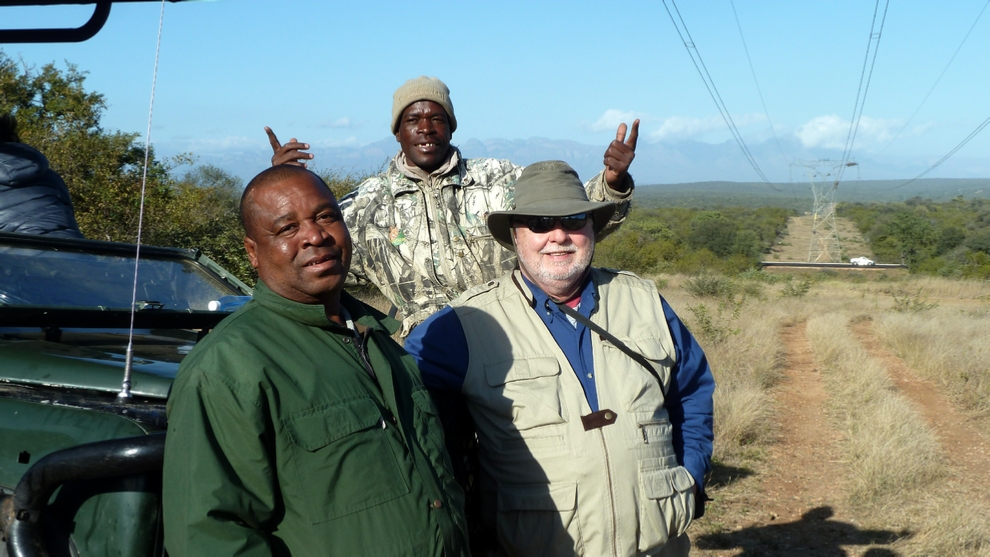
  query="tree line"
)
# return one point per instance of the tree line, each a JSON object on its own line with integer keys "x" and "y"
{"x": 686, "y": 240}
{"x": 950, "y": 239}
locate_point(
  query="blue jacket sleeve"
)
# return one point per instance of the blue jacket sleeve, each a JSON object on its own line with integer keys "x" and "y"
{"x": 440, "y": 349}
{"x": 689, "y": 400}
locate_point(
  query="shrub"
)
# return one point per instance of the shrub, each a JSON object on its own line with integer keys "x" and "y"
{"x": 708, "y": 285}
{"x": 914, "y": 303}
{"x": 759, "y": 275}
{"x": 796, "y": 289}
{"x": 716, "y": 327}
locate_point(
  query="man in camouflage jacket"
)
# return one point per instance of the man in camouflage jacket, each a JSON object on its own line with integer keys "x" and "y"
{"x": 419, "y": 227}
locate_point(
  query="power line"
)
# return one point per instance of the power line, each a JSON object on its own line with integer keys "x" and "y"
{"x": 699, "y": 65}
{"x": 858, "y": 108}
{"x": 949, "y": 154}
{"x": 753, "y": 71}
{"x": 971, "y": 27}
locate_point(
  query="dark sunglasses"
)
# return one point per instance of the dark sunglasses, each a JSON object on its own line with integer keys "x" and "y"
{"x": 542, "y": 225}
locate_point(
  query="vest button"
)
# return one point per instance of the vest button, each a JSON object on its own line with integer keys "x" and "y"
{"x": 436, "y": 504}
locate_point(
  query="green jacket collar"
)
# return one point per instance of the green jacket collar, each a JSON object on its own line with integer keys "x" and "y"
{"x": 314, "y": 315}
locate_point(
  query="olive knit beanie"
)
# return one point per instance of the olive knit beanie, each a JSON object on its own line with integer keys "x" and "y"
{"x": 422, "y": 88}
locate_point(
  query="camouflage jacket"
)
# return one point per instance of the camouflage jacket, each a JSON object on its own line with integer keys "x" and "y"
{"x": 422, "y": 240}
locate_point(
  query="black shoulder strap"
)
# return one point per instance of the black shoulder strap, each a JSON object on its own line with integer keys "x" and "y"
{"x": 639, "y": 358}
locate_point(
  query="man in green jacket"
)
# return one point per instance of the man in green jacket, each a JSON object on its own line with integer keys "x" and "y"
{"x": 298, "y": 427}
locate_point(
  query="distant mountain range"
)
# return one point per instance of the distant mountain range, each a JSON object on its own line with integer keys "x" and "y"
{"x": 656, "y": 163}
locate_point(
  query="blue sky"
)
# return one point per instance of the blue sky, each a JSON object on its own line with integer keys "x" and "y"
{"x": 325, "y": 72}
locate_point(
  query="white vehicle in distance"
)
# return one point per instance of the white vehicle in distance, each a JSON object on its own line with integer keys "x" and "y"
{"x": 862, "y": 261}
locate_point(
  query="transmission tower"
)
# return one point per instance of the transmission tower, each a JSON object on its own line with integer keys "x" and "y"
{"x": 824, "y": 234}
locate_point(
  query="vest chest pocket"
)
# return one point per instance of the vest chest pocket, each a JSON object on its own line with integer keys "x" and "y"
{"x": 525, "y": 394}
{"x": 637, "y": 388}
{"x": 334, "y": 450}
{"x": 654, "y": 438}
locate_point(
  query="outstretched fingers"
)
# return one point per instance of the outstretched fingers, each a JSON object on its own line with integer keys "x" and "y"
{"x": 633, "y": 134}
{"x": 290, "y": 153}
{"x": 273, "y": 140}
{"x": 620, "y": 153}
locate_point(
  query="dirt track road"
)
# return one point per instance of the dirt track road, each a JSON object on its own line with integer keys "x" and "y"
{"x": 794, "y": 503}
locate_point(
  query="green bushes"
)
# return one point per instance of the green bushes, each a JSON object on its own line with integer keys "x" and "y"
{"x": 707, "y": 285}
{"x": 679, "y": 240}
{"x": 907, "y": 302}
{"x": 796, "y": 289}
{"x": 950, "y": 239}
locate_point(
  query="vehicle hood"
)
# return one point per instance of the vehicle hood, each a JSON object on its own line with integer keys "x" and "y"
{"x": 52, "y": 364}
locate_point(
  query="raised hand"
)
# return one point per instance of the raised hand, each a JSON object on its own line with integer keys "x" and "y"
{"x": 290, "y": 153}
{"x": 620, "y": 154}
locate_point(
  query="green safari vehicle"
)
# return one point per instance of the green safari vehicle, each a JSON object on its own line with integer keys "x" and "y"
{"x": 83, "y": 380}
{"x": 80, "y": 445}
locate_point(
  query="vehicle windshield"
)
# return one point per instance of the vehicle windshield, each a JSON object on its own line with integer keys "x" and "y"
{"x": 66, "y": 278}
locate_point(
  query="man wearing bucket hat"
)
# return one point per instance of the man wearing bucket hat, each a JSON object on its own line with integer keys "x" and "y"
{"x": 419, "y": 227}
{"x": 591, "y": 401}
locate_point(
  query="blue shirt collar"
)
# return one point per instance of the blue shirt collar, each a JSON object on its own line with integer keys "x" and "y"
{"x": 543, "y": 303}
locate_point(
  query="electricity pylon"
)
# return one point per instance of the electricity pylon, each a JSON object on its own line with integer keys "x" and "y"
{"x": 824, "y": 234}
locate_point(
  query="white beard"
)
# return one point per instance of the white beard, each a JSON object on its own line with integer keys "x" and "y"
{"x": 557, "y": 276}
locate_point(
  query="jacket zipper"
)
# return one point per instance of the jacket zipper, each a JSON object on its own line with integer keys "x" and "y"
{"x": 611, "y": 494}
{"x": 436, "y": 189}
{"x": 360, "y": 342}
{"x": 429, "y": 198}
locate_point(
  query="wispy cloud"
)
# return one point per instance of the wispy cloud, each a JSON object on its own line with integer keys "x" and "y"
{"x": 680, "y": 128}
{"x": 831, "y": 132}
{"x": 338, "y": 123}
{"x": 612, "y": 118}
{"x": 345, "y": 142}
{"x": 922, "y": 128}
{"x": 229, "y": 144}
{"x": 201, "y": 145}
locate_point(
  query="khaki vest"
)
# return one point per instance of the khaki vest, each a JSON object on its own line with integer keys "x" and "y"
{"x": 548, "y": 486}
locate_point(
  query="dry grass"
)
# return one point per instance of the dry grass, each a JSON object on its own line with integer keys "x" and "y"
{"x": 971, "y": 296}
{"x": 896, "y": 467}
{"x": 893, "y": 465}
{"x": 951, "y": 528}
{"x": 890, "y": 451}
{"x": 948, "y": 346}
{"x": 745, "y": 353}
{"x": 896, "y": 473}
{"x": 952, "y": 289}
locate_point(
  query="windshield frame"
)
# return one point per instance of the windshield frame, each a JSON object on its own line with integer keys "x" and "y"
{"x": 149, "y": 316}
